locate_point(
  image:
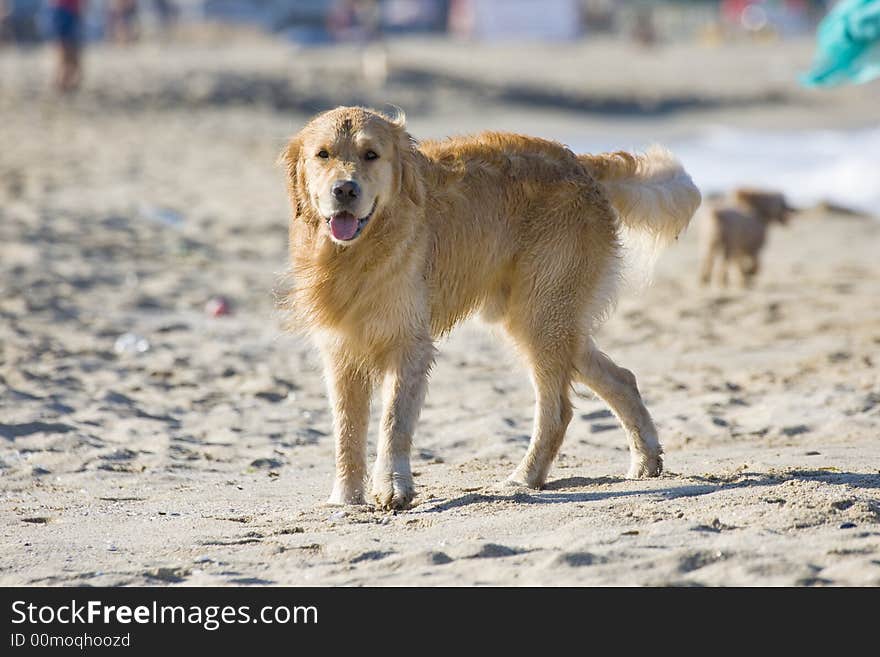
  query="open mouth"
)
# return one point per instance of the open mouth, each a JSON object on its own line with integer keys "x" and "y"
{"x": 344, "y": 226}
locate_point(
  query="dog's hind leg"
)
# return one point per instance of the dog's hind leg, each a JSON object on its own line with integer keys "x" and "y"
{"x": 552, "y": 416}
{"x": 748, "y": 268}
{"x": 723, "y": 278}
{"x": 617, "y": 387}
{"x": 549, "y": 350}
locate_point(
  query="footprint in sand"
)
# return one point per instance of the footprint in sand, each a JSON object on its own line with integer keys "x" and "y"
{"x": 495, "y": 551}
{"x": 577, "y": 559}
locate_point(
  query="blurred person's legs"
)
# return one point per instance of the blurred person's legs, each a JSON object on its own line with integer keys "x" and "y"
{"x": 18, "y": 22}
{"x": 71, "y": 66}
{"x": 5, "y": 21}
{"x": 123, "y": 21}
{"x": 167, "y": 13}
{"x": 66, "y": 25}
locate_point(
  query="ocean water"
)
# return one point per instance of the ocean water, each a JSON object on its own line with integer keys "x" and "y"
{"x": 842, "y": 167}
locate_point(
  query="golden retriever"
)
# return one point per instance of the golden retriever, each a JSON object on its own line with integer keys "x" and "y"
{"x": 733, "y": 232}
{"x": 392, "y": 243}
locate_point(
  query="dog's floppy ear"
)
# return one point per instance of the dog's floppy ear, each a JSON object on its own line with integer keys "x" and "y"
{"x": 289, "y": 160}
{"x": 768, "y": 205}
{"x": 748, "y": 196}
{"x": 410, "y": 175}
{"x": 289, "y": 156}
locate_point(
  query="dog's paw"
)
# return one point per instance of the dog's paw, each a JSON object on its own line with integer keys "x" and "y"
{"x": 393, "y": 491}
{"x": 644, "y": 466}
{"x": 520, "y": 479}
{"x": 346, "y": 494}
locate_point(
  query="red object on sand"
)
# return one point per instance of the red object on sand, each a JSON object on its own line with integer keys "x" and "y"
{"x": 217, "y": 307}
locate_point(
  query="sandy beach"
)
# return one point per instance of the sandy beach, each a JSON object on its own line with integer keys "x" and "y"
{"x": 197, "y": 450}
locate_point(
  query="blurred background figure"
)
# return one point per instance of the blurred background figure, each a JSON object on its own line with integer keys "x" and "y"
{"x": 733, "y": 231}
{"x": 355, "y": 20}
{"x": 509, "y": 20}
{"x": 167, "y": 14}
{"x": 361, "y": 21}
{"x": 67, "y": 19}
{"x": 167, "y": 11}
{"x": 848, "y": 45}
{"x": 5, "y": 22}
{"x": 768, "y": 20}
{"x": 643, "y": 29}
{"x": 122, "y": 21}
{"x": 18, "y": 21}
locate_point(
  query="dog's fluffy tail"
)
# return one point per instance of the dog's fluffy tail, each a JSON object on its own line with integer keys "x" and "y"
{"x": 654, "y": 197}
{"x": 651, "y": 192}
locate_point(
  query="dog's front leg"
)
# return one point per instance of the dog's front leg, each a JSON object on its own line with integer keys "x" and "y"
{"x": 350, "y": 390}
{"x": 405, "y": 387}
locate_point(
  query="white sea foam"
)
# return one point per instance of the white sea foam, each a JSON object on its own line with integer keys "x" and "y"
{"x": 842, "y": 167}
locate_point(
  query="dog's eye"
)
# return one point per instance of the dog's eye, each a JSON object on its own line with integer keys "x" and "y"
{"x": 371, "y": 155}
{"x": 323, "y": 154}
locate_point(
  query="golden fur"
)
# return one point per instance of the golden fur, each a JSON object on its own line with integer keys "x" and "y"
{"x": 517, "y": 228}
{"x": 733, "y": 232}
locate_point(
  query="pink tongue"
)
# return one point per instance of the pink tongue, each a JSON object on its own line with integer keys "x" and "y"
{"x": 343, "y": 226}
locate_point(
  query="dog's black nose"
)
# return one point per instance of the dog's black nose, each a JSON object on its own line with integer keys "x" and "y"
{"x": 344, "y": 190}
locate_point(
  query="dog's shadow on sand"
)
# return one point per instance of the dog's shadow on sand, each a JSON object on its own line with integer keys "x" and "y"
{"x": 571, "y": 490}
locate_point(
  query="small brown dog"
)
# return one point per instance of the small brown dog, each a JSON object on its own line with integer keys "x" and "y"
{"x": 734, "y": 230}
{"x": 393, "y": 243}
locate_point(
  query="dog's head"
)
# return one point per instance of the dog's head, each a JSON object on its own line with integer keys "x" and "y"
{"x": 349, "y": 168}
{"x": 766, "y": 205}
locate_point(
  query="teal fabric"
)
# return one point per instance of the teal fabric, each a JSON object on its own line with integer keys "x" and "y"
{"x": 848, "y": 48}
